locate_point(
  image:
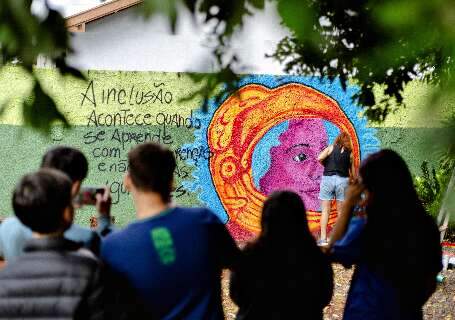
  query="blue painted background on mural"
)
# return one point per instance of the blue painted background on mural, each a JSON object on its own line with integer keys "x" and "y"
{"x": 202, "y": 182}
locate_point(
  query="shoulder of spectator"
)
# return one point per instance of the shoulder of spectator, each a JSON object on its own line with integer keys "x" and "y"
{"x": 13, "y": 225}
{"x": 211, "y": 216}
{"x": 110, "y": 241}
{"x": 79, "y": 233}
{"x": 86, "y": 253}
{"x": 10, "y": 221}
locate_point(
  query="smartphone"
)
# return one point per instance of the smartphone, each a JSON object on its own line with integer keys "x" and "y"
{"x": 87, "y": 195}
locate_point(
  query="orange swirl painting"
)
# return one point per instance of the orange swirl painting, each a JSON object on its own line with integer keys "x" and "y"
{"x": 239, "y": 124}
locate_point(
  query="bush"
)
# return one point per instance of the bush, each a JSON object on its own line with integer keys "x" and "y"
{"x": 431, "y": 186}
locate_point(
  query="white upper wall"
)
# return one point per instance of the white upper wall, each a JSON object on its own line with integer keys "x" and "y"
{"x": 70, "y": 7}
{"x": 125, "y": 41}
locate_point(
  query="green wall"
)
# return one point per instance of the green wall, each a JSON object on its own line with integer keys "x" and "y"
{"x": 406, "y": 131}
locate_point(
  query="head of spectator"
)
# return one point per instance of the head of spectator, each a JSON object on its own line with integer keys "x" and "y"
{"x": 42, "y": 202}
{"x": 70, "y": 161}
{"x": 286, "y": 259}
{"x": 150, "y": 171}
{"x": 388, "y": 182}
{"x": 400, "y": 241}
{"x": 284, "y": 223}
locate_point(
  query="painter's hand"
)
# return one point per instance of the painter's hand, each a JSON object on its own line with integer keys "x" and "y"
{"x": 103, "y": 203}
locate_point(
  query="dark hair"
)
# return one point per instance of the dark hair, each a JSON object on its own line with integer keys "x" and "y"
{"x": 343, "y": 141}
{"x": 387, "y": 176}
{"x": 69, "y": 160}
{"x": 401, "y": 241}
{"x": 151, "y": 168}
{"x": 285, "y": 259}
{"x": 283, "y": 217}
{"x": 40, "y": 199}
{"x": 285, "y": 235}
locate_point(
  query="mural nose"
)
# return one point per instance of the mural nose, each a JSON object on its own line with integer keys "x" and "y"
{"x": 313, "y": 171}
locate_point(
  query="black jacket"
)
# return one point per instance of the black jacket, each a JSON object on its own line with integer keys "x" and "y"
{"x": 53, "y": 279}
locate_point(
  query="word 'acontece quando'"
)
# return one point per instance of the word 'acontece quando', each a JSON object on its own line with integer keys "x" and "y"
{"x": 125, "y": 117}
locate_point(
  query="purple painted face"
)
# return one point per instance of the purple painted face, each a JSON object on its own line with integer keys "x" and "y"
{"x": 294, "y": 165}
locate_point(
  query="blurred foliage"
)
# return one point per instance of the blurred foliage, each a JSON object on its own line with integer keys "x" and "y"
{"x": 382, "y": 44}
{"x": 446, "y": 143}
{"x": 224, "y": 19}
{"x": 429, "y": 184}
{"x": 24, "y": 37}
{"x": 376, "y": 44}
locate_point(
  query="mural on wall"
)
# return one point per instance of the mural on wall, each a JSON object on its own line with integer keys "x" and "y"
{"x": 264, "y": 137}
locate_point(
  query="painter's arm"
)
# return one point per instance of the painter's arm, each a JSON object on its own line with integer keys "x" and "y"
{"x": 352, "y": 198}
{"x": 325, "y": 153}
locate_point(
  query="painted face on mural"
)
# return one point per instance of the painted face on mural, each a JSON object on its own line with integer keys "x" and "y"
{"x": 294, "y": 165}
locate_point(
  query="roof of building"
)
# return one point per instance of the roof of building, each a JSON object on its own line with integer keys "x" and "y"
{"x": 77, "y": 22}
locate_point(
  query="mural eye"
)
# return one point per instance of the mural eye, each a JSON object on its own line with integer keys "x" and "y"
{"x": 300, "y": 157}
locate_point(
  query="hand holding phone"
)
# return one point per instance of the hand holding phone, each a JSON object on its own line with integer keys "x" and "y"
{"x": 87, "y": 195}
{"x": 99, "y": 197}
{"x": 103, "y": 202}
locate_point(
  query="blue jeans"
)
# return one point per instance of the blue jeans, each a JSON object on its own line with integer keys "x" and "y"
{"x": 333, "y": 187}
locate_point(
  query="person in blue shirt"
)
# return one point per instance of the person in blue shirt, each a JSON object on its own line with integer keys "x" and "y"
{"x": 13, "y": 234}
{"x": 394, "y": 244}
{"x": 171, "y": 256}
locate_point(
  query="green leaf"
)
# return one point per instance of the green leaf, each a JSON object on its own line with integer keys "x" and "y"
{"x": 54, "y": 25}
{"x": 191, "y": 5}
{"x": 40, "y": 111}
{"x": 259, "y": 4}
{"x": 297, "y": 16}
{"x": 65, "y": 69}
{"x": 3, "y": 107}
{"x": 168, "y": 8}
{"x": 213, "y": 86}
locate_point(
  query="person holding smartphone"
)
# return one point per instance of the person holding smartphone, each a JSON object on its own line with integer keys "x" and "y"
{"x": 72, "y": 162}
{"x": 338, "y": 165}
{"x": 394, "y": 244}
{"x": 54, "y": 278}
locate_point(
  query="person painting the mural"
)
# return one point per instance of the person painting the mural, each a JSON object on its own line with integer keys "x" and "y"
{"x": 338, "y": 165}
